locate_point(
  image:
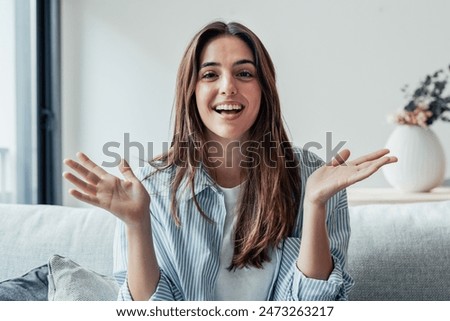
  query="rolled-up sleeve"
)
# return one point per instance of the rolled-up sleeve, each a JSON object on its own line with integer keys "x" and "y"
{"x": 165, "y": 291}
{"x": 292, "y": 284}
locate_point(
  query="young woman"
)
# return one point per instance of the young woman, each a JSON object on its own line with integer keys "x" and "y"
{"x": 232, "y": 211}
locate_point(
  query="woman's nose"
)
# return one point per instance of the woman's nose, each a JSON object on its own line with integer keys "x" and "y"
{"x": 228, "y": 86}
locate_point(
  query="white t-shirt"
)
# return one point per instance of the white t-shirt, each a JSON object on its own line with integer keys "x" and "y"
{"x": 246, "y": 284}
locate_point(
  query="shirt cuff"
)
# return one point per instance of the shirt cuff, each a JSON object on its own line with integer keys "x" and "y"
{"x": 124, "y": 292}
{"x": 309, "y": 289}
{"x": 163, "y": 292}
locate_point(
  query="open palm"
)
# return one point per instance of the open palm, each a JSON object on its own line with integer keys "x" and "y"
{"x": 339, "y": 174}
{"x": 126, "y": 198}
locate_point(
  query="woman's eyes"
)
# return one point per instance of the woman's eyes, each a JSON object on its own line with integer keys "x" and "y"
{"x": 244, "y": 74}
{"x": 209, "y": 75}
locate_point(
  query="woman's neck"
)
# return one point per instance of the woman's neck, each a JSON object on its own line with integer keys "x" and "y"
{"x": 224, "y": 162}
{"x": 227, "y": 177}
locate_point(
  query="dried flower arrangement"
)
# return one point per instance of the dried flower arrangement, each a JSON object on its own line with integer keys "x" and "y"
{"x": 427, "y": 103}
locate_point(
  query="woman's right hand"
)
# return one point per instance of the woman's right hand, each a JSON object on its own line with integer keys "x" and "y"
{"x": 126, "y": 198}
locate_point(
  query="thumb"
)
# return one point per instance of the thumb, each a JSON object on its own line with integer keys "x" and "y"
{"x": 126, "y": 170}
{"x": 340, "y": 158}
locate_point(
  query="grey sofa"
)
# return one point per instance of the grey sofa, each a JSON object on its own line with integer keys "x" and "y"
{"x": 396, "y": 252}
{"x": 400, "y": 252}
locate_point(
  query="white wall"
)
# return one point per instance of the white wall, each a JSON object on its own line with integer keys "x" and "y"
{"x": 340, "y": 65}
{"x": 7, "y": 98}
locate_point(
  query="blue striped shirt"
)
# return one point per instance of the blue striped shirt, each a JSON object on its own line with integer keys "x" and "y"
{"x": 188, "y": 256}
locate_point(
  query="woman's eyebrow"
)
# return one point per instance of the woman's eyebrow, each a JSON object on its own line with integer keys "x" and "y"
{"x": 239, "y": 62}
{"x": 209, "y": 64}
{"x": 243, "y": 62}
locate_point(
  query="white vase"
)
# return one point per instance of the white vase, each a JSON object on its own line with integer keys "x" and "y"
{"x": 421, "y": 159}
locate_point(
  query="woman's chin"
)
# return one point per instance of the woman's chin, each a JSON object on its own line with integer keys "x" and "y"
{"x": 227, "y": 137}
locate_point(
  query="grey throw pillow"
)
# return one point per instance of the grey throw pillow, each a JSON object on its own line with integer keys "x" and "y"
{"x": 68, "y": 281}
{"x": 32, "y": 286}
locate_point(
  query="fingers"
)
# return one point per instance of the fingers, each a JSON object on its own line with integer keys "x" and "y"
{"x": 376, "y": 165}
{"x": 82, "y": 185}
{"x": 88, "y": 171}
{"x": 370, "y": 157}
{"x": 371, "y": 167}
{"x": 90, "y": 165}
{"x": 84, "y": 197}
{"x": 83, "y": 171}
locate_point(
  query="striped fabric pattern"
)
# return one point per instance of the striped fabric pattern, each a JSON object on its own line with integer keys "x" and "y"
{"x": 188, "y": 256}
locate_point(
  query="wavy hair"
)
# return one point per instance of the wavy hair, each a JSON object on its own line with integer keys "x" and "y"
{"x": 270, "y": 194}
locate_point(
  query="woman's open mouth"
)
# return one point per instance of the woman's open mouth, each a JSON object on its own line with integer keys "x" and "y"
{"x": 228, "y": 109}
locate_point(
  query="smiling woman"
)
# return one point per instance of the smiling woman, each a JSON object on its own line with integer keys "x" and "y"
{"x": 261, "y": 220}
{"x": 228, "y": 93}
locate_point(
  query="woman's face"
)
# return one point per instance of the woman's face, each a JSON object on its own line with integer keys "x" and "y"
{"x": 228, "y": 93}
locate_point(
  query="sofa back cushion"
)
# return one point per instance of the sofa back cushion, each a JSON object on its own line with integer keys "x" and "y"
{"x": 31, "y": 234}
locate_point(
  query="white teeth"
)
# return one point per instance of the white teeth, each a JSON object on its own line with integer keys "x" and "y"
{"x": 228, "y": 107}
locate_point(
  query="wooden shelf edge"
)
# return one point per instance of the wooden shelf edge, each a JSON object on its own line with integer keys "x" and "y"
{"x": 363, "y": 196}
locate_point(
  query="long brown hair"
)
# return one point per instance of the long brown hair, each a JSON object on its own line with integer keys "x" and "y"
{"x": 270, "y": 194}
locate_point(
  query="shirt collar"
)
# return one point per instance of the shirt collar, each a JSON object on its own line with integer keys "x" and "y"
{"x": 202, "y": 181}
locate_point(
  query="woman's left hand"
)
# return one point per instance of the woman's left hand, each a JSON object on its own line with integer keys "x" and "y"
{"x": 339, "y": 174}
